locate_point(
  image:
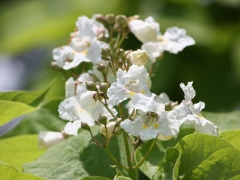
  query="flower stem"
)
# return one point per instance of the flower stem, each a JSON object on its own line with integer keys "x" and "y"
{"x": 146, "y": 155}
{"x": 131, "y": 170}
{"x": 115, "y": 160}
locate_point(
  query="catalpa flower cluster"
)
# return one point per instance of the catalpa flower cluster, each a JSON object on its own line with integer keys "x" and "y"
{"x": 111, "y": 87}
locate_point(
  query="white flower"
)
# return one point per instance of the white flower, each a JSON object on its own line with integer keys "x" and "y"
{"x": 145, "y": 31}
{"x": 189, "y": 92}
{"x": 191, "y": 113}
{"x": 176, "y": 40}
{"x": 129, "y": 83}
{"x": 173, "y": 40}
{"x": 48, "y": 139}
{"x": 154, "y": 50}
{"x": 149, "y": 125}
{"x": 90, "y": 27}
{"x": 83, "y": 47}
{"x": 139, "y": 57}
{"x": 69, "y": 87}
{"x": 82, "y": 108}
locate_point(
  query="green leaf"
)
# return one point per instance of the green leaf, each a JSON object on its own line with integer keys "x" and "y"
{"x": 232, "y": 137}
{"x": 10, "y": 110}
{"x": 169, "y": 166}
{"x": 208, "y": 157}
{"x": 76, "y": 158}
{"x": 150, "y": 166}
{"x": 27, "y": 97}
{"x": 8, "y": 172}
{"x": 95, "y": 178}
{"x": 20, "y": 149}
{"x": 44, "y": 119}
{"x": 123, "y": 178}
{"x": 224, "y": 121}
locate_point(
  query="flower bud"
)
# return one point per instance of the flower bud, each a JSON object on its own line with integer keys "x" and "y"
{"x": 169, "y": 106}
{"x": 164, "y": 138}
{"x": 101, "y": 67}
{"x": 110, "y": 127}
{"x": 122, "y": 20}
{"x": 91, "y": 86}
{"x": 85, "y": 126}
{"x": 120, "y": 52}
{"x": 110, "y": 18}
{"x": 139, "y": 57}
{"x": 104, "y": 87}
{"x": 106, "y": 52}
{"x": 102, "y": 119}
{"x": 98, "y": 96}
{"x": 49, "y": 138}
{"x": 100, "y": 18}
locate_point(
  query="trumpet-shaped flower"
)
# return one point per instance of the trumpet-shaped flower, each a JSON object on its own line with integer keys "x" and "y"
{"x": 191, "y": 113}
{"x": 149, "y": 125}
{"x": 174, "y": 40}
{"x": 145, "y": 31}
{"x": 82, "y": 108}
{"x": 129, "y": 83}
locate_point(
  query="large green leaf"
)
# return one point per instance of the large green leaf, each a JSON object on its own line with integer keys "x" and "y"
{"x": 224, "y": 121}
{"x": 76, "y": 158}
{"x": 44, "y": 119}
{"x": 27, "y": 97}
{"x": 10, "y": 110}
{"x": 8, "y": 172}
{"x": 169, "y": 166}
{"x": 232, "y": 137}
{"x": 95, "y": 178}
{"x": 150, "y": 166}
{"x": 20, "y": 149}
{"x": 208, "y": 157}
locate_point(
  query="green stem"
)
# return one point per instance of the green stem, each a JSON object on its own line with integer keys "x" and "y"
{"x": 131, "y": 171}
{"x": 146, "y": 155}
{"x": 115, "y": 160}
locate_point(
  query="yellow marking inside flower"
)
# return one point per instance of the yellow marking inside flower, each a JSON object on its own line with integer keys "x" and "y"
{"x": 144, "y": 126}
{"x": 199, "y": 115}
{"x": 81, "y": 110}
{"x": 155, "y": 125}
{"x": 142, "y": 91}
{"x": 160, "y": 38}
{"x": 84, "y": 52}
{"x": 73, "y": 52}
{"x": 131, "y": 93}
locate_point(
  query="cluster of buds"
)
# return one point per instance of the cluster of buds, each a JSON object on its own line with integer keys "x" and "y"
{"x": 113, "y": 88}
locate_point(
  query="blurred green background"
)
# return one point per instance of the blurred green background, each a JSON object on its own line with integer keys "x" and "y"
{"x": 31, "y": 29}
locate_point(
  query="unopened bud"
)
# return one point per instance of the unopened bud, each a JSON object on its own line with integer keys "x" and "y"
{"x": 169, "y": 106}
{"x": 85, "y": 126}
{"x": 98, "y": 96}
{"x": 91, "y": 86}
{"x": 106, "y": 52}
{"x": 122, "y": 20}
{"x": 102, "y": 119}
{"x": 119, "y": 120}
{"x": 139, "y": 57}
{"x": 54, "y": 65}
{"x": 110, "y": 127}
{"x": 164, "y": 138}
{"x": 110, "y": 18}
{"x": 120, "y": 52}
{"x": 101, "y": 67}
{"x": 49, "y": 138}
{"x": 104, "y": 87}
{"x": 100, "y": 18}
